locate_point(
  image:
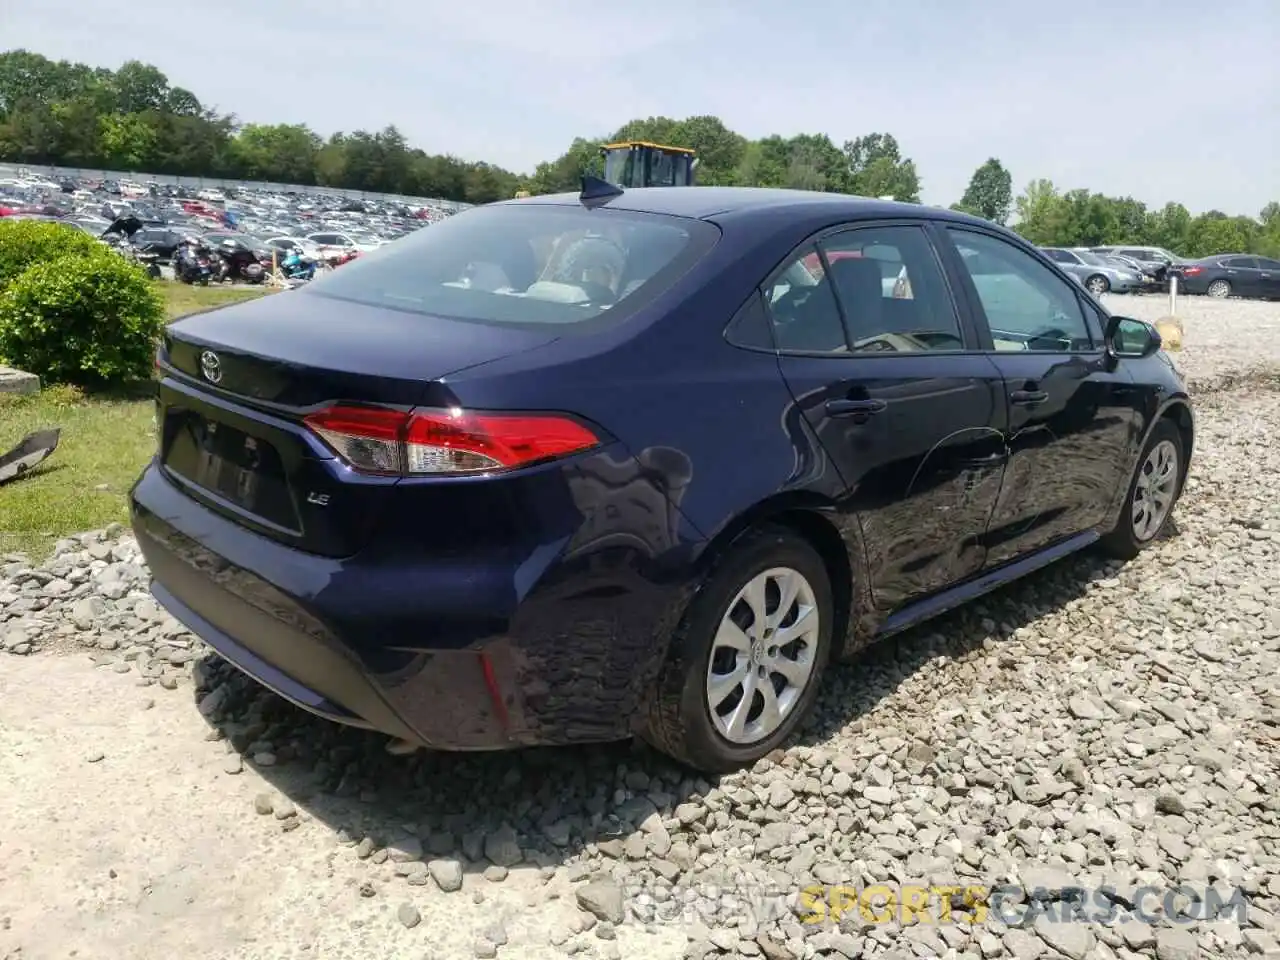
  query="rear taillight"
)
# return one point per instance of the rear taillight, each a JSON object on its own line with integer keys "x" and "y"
{"x": 1190, "y": 271}
{"x": 433, "y": 442}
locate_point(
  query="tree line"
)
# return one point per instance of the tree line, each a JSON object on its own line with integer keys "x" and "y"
{"x": 70, "y": 114}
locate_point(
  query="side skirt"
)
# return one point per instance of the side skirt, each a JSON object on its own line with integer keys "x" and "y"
{"x": 930, "y": 607}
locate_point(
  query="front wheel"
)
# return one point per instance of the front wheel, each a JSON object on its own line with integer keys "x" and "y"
{"x": 1154, "y": 489}
{"x": 1219, "y": 289}
{"x": 1098, "y": 284}
{"x": 744, "y": 667}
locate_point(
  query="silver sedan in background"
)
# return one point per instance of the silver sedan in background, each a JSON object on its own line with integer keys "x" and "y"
{"x": 1098, "y": 275}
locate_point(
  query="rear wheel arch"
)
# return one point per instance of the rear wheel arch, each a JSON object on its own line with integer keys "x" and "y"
{"x": 807, "y": 517}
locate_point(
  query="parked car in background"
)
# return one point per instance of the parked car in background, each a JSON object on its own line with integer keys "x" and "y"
{"x": 1154, "y": 260}
{"x": 93, "y": 225}
{"x": 285, "y": 244}
{"x": 162, "y": 241}
{"x": 1097, "y": 275}
{"x": 1149, "y": 281}
{"x": 336, "y": 246}
{"x": 421, "y": 494}
{"x": 1230, "y": 275}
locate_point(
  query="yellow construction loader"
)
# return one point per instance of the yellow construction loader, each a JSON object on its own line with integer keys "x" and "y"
{"x": 639, "y": 163}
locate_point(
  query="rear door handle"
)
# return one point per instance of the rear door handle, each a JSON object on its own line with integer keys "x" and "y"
{"x": 848, "y": 408}
{"x": 1028, "y": 398}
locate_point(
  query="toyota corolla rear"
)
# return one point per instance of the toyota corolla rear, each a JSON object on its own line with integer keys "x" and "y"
{"x": 331, "y": 510}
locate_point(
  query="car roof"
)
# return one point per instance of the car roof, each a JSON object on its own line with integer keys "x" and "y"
{"x": 706, "y": 202}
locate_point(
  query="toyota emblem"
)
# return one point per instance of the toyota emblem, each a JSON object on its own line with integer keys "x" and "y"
{"x": 211, "y": 366}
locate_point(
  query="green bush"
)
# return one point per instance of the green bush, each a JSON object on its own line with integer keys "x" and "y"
{"x": 24, "y": 242}
{"x": 86, "y": 319}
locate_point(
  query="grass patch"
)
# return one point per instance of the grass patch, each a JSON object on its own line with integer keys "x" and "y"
{"x": 184, "y": 298}
{"x": 104, "y": 445}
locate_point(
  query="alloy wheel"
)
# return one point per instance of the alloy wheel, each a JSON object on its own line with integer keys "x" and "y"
{"x": 1098, "y": 285}
{"x": 1155, "y": 489}
{"x": 1219, "y": 289}
{"x": 763, "y": 655}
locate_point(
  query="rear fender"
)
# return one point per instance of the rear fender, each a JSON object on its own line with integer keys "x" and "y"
{"x": 837, "y": 536}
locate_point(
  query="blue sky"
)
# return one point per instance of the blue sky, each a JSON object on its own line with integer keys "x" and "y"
{"x": 1158, "y": 99}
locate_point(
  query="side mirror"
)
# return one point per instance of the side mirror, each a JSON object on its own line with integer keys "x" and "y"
{"x": 1135, "y": 339}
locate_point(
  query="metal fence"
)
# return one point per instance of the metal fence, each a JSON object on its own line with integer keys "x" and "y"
{"x": 213, "y": 183}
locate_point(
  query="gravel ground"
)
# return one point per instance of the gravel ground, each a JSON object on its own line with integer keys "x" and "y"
{"x": 1096, "y": 724}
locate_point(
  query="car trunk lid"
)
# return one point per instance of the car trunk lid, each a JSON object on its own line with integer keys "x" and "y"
{"x": 237, "y": 382}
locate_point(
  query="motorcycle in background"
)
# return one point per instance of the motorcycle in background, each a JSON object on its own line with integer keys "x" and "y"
{"x": 192, "y": 264}
{"x": 238, "y": 262}
{"x": 297, "y": 266}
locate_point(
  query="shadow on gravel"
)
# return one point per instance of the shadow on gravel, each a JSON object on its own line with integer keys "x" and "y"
{"x": 538, "y": 807}
{"x": 853, "y": 689}
{"x": 528, "y": 808}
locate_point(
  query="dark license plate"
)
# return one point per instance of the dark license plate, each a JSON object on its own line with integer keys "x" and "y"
{"x": 229, "y": 462}
{"x": 243, "y": 470}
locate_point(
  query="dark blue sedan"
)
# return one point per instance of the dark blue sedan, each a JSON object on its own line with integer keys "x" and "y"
{"x": 569, "y": 469}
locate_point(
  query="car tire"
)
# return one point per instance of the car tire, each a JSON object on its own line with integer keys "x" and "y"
{"x": 1219, "y": 289}
{"x": 1135, "y": 530}
{"x": 680, "y": 720}
{"x": 1098, "y": 285}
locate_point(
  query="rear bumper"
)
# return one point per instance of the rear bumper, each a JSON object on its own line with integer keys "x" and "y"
{"x": 572, "y": 664}
{"x": 258, "y": 668}
{"x": 1196, "y": 286}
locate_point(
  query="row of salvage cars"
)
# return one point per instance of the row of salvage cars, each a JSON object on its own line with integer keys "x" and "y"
{"x": 1150, "y": 270}
{"x": 151, "y": 220}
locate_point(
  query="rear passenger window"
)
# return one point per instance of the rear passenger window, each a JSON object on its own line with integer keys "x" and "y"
{"x": 892, "y": 290}
{"x": 803, "y": 308}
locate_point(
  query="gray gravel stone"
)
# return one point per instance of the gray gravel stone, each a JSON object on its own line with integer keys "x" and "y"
{"x": 1176, "y": 943}
{"x": 495, "y": 933}
{"x": 602, "y": 899}
{"x": 447, "y": 874}
{"x": 502, "y": 847}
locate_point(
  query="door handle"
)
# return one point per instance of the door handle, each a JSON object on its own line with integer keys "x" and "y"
{"x": 848, "y": 408}
{"x": 1028, "y": 398}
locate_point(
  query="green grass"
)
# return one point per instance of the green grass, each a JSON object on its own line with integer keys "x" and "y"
{"x": 181, "y": 298}
{"x": 103, "y": 447}
{"x": 105, "y": 442}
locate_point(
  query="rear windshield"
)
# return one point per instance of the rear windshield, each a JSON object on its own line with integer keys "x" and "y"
{"x": 526, "y": 264}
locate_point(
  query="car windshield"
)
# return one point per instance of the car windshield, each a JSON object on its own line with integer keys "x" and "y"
{"x": 1090, "y": 258}
{"x": 526, "y": 264}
